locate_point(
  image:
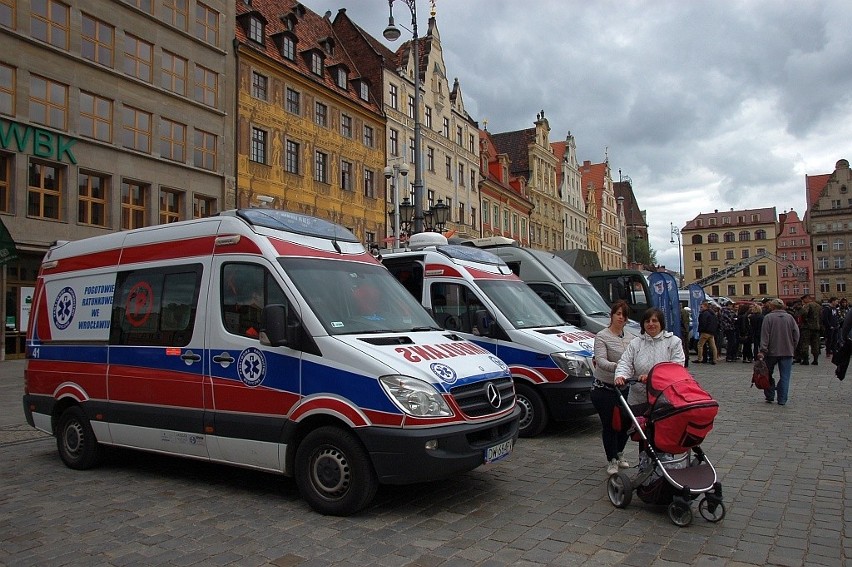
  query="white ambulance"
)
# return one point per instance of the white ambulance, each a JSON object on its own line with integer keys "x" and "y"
{"x": 262, "y": 339}
{"x": 474, "y": 293}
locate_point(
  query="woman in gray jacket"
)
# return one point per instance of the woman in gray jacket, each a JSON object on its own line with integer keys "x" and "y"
{"x": 652, "y": 346}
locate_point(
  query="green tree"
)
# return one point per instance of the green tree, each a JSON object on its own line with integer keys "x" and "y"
{"x": 639, "y": 251}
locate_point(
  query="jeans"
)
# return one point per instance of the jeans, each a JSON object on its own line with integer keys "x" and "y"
{"x": 606, "y": 402}
{"x": 782, "y": 385}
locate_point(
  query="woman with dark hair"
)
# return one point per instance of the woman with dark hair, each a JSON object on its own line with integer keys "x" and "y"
{"x": 652, "y": 346}
{"x": 609, "y": 346}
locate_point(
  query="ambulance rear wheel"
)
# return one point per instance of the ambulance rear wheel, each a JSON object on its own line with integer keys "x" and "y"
{"x": 533, "y": 411}
{"x": 334, "y": 472}
{"x": 78, "y": 447}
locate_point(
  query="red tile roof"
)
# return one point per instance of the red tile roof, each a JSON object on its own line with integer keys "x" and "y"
{"x": 764, "y": 216}
{"x": 516, "y": 146}
{"x": 814, "y": 184}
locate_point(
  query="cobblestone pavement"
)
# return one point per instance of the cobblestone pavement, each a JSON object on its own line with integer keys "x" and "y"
{"x": 784, "y": 470}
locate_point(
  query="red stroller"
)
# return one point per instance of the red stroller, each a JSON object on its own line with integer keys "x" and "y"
{"x": 673, "y": 470}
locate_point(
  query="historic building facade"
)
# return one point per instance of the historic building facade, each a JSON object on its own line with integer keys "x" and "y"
{"x": 113, "y": 115}
{"x": 597, "y": 179}
{"x": 829, "y": 222}
{"x": 506, "y": 208}
{"x": 714, "y": 241}
{"x": 310, "y": 135}
{"x": 569, "y": 180}
{"x": 532, "y": 158}
{"x": 795, "y": 274}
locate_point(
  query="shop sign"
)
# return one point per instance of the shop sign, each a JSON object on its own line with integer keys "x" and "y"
{"x": 36, "y": 141}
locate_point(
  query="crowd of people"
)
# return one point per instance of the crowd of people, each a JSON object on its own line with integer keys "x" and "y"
{"x": 771, "y": 331}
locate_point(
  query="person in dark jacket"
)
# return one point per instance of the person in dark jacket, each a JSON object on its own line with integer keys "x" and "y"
{"x": 729, "y": 328}
{"x": 708, "y": 326}
{"x": 744, "y": 332}
{"x": 755, "y": 318}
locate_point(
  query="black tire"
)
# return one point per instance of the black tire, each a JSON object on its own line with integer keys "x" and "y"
{"x": 680, "y": 513}
{"x": 334, "y": 472}
{"x": 619, "y": 488}
{"x": 75, "y": 440}
{"x": 533, "y": 411}
{"x": 711, "y": 509}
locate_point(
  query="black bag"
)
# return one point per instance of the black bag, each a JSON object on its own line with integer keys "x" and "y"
{"x": 760, "y": 375}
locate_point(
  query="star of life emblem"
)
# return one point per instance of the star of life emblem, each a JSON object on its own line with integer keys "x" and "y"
{"x": 64, "y": 308}
{"x": 251, "y": 366}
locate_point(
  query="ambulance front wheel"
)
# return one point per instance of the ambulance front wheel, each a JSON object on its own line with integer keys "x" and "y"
{"x": 334, "y": 472}
{"x": 533, "y": 411}
{"x": 78, "y": 447}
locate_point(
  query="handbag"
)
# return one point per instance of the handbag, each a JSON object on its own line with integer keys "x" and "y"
{"x": 760, "y": 375}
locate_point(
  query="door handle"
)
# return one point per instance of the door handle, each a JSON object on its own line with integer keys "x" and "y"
{"x": 224, "y": 359}
{"x": 189, "y": 357}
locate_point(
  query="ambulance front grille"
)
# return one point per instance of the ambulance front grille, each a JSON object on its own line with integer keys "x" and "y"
{"x": 473, "y": 399}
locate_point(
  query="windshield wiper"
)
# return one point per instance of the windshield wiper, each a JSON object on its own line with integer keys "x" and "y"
{"x": 429, "y": 328}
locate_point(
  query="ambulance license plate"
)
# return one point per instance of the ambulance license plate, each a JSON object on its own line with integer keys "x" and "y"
{"x": 498, "y": 452}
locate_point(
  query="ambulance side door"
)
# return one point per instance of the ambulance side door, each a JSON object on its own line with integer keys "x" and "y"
{"x": 254, "y": 386}
{"x": 456, "y": 307}
{"x": 156, "y": 359}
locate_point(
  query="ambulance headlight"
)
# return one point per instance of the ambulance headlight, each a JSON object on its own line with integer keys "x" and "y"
{"x": 415, "y": 397}
{"x": 572, "y": 364}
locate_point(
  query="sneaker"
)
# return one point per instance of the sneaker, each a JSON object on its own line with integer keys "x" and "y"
{"x": 612, "y": 467}
{"x": 622, "y": 462}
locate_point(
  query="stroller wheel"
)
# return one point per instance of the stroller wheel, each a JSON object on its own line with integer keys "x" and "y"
{"x": 711, "y": 509}
{"x": 619, "y": 489}
{"x": 680, "y": 513}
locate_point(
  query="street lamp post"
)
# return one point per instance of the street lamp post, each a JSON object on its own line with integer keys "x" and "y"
{"x": 676, "y": 232}
{"x": 394, "y": 172}
{"x": 392, "y": 33}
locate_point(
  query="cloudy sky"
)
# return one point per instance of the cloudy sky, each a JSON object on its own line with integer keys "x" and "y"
{"x": 703, "y": 104}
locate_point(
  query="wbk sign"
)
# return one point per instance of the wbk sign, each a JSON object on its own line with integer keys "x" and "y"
{"x": 35, "y": 141}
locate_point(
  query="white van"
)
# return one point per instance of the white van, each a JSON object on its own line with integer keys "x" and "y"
{"x": 475, "y": 294}
{"x": 262, "y": 339}
{"x": 556, "y": 282}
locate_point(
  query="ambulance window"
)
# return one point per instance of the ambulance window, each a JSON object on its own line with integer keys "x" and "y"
{"x": 246, "y": 289}
{"x": 455, "y": 307}
{"x": 155, "y": 307}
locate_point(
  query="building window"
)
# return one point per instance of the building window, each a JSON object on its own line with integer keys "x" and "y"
{"x": 255, "y": 30}
{"x": 43, "y": 191}
{"x": 792, "y": 230}
{"x": 745, "y": 253}
{"x": 729, "y": 254}
{"x": 97, "y": 40}
{"x": 411, "y": 158}
{"x": 341, "y": 78}
{"x": 410, "y": 106}
{"x": 294, "y": 102}
{"x": 699, "y": 273}
{"x": 838, "y": 244}
{"x": 473, "y": 217}
{"x": 839, "y": 263}
{"x": 206, "y": 24}
{"x": 761, "y": 270}
{"x": 138, "y": 57}
{"x": 345, "y": 126}
{"x": 729, "y": 237}
{"x": 394, "y": 142}
{"x": 712, "y": 238}
{"x": 346, "y": 175}
{"x": 460, "y": 179}
{"x": 760, "y": 234}
{"x": 206, "y": 86}
{"x": 747, "y": 290}
{"x": 428, "y": 116}
{"x": 5, "y": 190}
{"x": 745, "y": 235}
{"x": 146, "y": 6}
{"x": 364, "y": 90}
{"x": 172, "y": 140}
{"x": 459, "y": 135}
{"x": 203, "y": 207}
{"x": 321, "y": 114}
{"x": 288, "y": 48}
{"x": 7, "y": 13}
{"x": 173, "y": 77}
{"x": 316, "y": 64}
{"x": 448, "y": 167}
{"x": 259, "y": 86}
{"x": 7, "y": 89}
{"x": 50, "y": 22}
{"x": 486, "y": 211}
{"x": 291, "y": 162}
{"x": 48, "y": 102}
{"x": 136, "y": 131}
{"x": 177, "y": 12}
{"x": 204, "y": 155}
{"x": 430, "y": 159}
{"x": 134, "y": 203}
{"x": 394, "y": 97}
{"x": 697, "y": 256}
{"x": 473, "y": 178}
{"x": 841, "y": 286}
{"x": 95, "y": 117}
{"x": 258, "y": 145}
{"x": 369, "y": 183}
{"x": 320, "y": 167}
{"x": 170, "y": 205}
{"x": 446, "y": 128}
{"x": 369, "y": 139}
{"x": 471, "y": 146}
{"x": 732, "y": 289}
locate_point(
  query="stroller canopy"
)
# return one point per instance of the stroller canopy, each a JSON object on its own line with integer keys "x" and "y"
{"x": 681, "y": 412}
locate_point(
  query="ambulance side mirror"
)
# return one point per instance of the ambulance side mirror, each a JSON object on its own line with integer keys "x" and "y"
{"x": 276, "y": 330}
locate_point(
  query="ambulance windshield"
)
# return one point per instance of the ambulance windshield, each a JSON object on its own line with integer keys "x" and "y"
{"x": 356, "y": 297}
{"x": 519, "y": 303}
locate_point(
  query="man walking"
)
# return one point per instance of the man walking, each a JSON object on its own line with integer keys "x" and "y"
{"x": 708, "y": 326}
{"x": 778, "y": 337}
{"x": 810, "y": 329}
